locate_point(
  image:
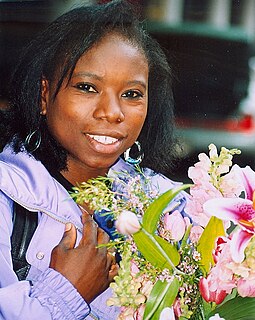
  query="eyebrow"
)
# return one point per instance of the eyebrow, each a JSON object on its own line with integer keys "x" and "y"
{"x": 95, "y": 76}
{"x": 87, "y": 74}
{"x": 137, "y": 82}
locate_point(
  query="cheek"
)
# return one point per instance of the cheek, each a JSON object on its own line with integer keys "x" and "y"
{"x": 140, "y": 118}
{"x": 136, "y": 125}
{"x": 64, "y": 112}
{"x": 60, "y": 122}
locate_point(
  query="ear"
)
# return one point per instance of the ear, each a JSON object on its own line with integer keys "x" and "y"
{"x": 44, "y": 97}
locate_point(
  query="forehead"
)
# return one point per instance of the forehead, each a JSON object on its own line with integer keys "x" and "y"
{"x": 114, "y": 47}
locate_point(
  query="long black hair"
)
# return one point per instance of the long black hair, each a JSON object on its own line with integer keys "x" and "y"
{"x": 53, "y": 55}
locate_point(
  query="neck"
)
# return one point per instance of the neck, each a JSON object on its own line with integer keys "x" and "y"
{"x": 78, "y": 174}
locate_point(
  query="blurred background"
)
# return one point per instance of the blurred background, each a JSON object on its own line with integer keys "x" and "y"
{"x": 210, "y": 45}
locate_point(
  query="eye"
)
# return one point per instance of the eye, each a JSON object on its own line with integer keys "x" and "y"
{"x": 132, "y": 94}
{"x": 86, "y": 87}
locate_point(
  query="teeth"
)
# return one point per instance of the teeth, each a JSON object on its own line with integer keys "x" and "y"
{"x": 103, "y": 139}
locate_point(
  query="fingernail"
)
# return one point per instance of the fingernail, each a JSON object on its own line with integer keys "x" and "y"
{"x": 68, "y": 226}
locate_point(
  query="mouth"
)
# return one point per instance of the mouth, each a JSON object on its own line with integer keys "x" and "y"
{"x": 103, "y": 139}
{"x": 105, "y": 144}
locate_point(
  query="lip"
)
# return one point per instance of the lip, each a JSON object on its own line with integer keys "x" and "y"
{"x": 103, "y": 139}
{"x": 112, "y": 142}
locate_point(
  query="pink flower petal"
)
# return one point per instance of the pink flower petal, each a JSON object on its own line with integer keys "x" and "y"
{"x": 134, "y": 268}
{"x": 195, "y": 233}
{"x": 219, "y": 296}
{"x": 246, "y": 287}
{"x": 216, "y": 296}
{"x": 204, "y": 289}
{"x": 247, "y": 176}
{"x": 230, "y": 209}
{"x": 175, "y": 223}
{"x": 238, "y": 244}
{"x": 139, "y": 312}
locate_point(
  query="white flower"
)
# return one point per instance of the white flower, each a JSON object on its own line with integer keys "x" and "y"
{"x": 127, "y": 223}
{"x": 216, "y": 317}
{"x": 167, "y": 314}
{"x": 213, "y": 151}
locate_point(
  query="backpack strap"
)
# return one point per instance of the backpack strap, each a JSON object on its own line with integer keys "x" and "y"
{"x": 24, "y": 226}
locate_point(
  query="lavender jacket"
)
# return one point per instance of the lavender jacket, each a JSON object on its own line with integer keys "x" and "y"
{"x": 46, "y": 294}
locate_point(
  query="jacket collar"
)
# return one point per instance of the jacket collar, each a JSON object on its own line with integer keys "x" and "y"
{"x": 26, "y": 181}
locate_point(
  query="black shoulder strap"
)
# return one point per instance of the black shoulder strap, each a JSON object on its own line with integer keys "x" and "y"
{"x": 24, "y": 225}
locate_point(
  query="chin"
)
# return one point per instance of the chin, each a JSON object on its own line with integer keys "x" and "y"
{"x": 103, "y": 163}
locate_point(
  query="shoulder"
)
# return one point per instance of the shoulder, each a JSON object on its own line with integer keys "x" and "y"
{"x": 160, "y": 181}
{"x": 163, "y": 184}
{"x": 28, "y": 182}
{"x": 157, "y": 181}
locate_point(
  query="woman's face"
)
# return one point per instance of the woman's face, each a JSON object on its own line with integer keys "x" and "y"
{"x": 101, "y": 111}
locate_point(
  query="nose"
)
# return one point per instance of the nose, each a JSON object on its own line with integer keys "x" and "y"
{"x": 109, "y": 108}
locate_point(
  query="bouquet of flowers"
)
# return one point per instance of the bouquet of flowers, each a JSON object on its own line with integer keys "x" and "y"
{"x": 176, "y": 266}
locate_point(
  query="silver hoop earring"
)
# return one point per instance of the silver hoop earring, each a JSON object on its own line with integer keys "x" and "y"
{"x": 139, "y": 158}
{"x": 33, "y": 140}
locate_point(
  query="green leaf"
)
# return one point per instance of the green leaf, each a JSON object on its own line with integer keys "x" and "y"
{"x": 159, "y": 253}
{"x": 236, "y": 309}
{"x": 153, "y": 212}
{"x": 162, "y": 295}
{"x": 206, "y": 242}
{"x": 169, "y": 249}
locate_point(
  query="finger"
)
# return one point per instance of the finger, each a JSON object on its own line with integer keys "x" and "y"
{"x": 89, "y": 233}
{"x": 112, "y": 250}
{"x": 113, "y": 272}
{"x": 85, "y": 215}
{"x": 69, "y": 237}
{"x": 102, "y": 236}
{"x": 111, "y": 259}
{"x": 83, "y": 210}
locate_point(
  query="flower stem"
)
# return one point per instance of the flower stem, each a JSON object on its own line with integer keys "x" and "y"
{"x": 202, "y": 311}
{"x": 185, "y": 237}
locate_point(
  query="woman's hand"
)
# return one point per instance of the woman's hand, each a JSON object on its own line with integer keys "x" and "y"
{"x": 88, "y": 268}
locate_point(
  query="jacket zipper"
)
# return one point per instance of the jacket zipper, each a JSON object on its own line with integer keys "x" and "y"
{"x": 49, "y": 214}
{"x": 93, "y": 316}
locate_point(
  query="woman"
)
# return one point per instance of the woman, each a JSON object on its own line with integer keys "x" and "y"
{"x": 85, "y": 90}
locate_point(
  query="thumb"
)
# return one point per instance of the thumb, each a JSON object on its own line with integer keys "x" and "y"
{"x": 69, "y": 237}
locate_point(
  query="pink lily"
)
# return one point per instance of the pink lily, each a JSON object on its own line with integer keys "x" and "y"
{"x": 219, "y": 246}
{"x": 240, "y": 211}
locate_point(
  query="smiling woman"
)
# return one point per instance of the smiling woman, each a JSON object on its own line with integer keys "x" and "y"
{"x": 102, "y": 107}
{"x": 87, "y": 89}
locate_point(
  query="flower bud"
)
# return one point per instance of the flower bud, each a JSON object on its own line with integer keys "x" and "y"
{"x": 216, "y": 317}
{"x": 167, "y": 314}
{"x": 210, "y": 296}
{"x": 175, "y": 223}
{"x": 127, "y": 223}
